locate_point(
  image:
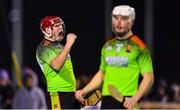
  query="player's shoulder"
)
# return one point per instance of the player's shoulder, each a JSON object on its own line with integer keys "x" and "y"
{"x": 110, "y": 40}
{"x": 138, "y": 41}
{"x": 41, "y": 48}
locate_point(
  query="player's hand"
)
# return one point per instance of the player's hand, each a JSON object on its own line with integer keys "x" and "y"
{"x": 80, "y": 96}
{"x": 70, "y": 39}
{"x": 130, "y": 103}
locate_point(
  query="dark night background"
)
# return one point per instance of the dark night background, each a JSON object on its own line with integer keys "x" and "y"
{"x": 86, "y": 19}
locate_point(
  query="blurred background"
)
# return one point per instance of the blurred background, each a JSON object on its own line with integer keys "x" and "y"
{"x": 156, "y": 24}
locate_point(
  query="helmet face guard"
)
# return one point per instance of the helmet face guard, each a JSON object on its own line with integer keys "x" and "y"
{"x": 48, "y": 22}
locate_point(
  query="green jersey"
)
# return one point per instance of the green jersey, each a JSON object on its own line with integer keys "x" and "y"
{"x": 122, "y": 61}
{"x": 57, "y": 81}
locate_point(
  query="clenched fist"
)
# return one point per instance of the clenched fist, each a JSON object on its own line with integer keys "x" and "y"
{"x": 79, "y": 96}
{"x": 70, "y": 39}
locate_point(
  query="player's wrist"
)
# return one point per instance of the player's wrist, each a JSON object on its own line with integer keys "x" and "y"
{"x": 67, "y": 46}
{"x": 84, "y": 92}
{"x": 136, "y": 98}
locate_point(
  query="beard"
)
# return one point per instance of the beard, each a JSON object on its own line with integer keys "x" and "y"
{"x": 59, "y": 37}
{"x": 119, "y": 34}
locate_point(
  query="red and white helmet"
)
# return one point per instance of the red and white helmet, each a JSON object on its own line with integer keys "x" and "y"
{"x": 49, "y": 22}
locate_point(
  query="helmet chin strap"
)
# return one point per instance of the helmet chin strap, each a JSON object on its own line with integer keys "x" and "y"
{"x": 48, "y": 38}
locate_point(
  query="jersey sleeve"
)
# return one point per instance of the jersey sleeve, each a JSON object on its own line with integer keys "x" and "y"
{"x": 47, "y": 55}
{"x": 103, "y": 63}
{"x": 145, "y": 61}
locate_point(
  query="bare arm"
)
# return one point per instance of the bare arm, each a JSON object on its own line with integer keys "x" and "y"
{"x": 145, "y": 85}
{"x": 59, "y": 60}
{"x": 94, "y": 83}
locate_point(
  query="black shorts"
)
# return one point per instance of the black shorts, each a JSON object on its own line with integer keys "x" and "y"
{"x": 109, "y": 102}
{"x": 62, "y": 100}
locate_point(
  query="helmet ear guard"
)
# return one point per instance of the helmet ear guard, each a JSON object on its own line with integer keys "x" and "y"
{"x": 47, "y": 34}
